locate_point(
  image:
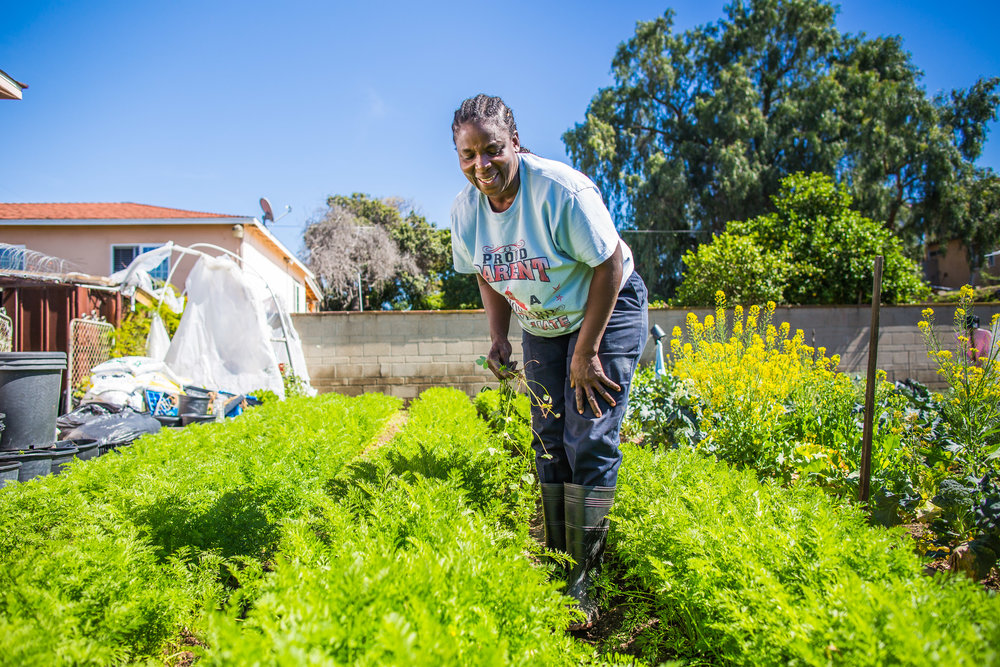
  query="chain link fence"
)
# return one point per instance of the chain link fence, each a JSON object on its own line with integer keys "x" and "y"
{"x": 6, "y": 332}
{"x": 91, "y": 340}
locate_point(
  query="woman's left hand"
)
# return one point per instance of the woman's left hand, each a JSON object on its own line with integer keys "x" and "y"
{"x": 586, "y": 376}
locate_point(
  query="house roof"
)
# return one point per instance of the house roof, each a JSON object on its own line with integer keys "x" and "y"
{"x": 10, "y": 88}
{"x": 99, "y": 211}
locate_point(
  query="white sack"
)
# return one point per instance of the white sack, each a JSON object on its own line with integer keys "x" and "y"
{"x": 223, "y": 341}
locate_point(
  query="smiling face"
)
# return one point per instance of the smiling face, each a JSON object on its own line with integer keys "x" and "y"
{"x": 487, "y": 155}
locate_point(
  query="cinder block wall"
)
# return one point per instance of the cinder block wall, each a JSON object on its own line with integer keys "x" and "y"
{"x": 403, "y": 353}
{"x": 397, "y": 353}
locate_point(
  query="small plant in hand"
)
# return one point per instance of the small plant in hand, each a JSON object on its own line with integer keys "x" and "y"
{"x": 510, "y": 417}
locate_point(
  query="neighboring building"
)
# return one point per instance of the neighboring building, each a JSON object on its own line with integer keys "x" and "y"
{"x": 947, "y": 265}
{"x": 102, "y": 238}
{"x": 991, "y": 267}
{"x": 10, "y": 89}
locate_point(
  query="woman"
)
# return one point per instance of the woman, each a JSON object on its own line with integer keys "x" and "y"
{"x": 542, "y": 244}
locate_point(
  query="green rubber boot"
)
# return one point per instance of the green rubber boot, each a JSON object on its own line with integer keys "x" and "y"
{"x": 554, "y": 513}
{"x": 587, "y": 510}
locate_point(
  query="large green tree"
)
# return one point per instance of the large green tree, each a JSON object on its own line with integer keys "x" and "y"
{"x": 700, "y": 127}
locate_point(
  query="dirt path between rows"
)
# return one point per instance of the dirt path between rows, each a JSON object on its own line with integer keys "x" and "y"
{"x": 388, "y": 432}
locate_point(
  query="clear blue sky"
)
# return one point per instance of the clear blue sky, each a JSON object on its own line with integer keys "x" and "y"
{"x": 211, "y": 105}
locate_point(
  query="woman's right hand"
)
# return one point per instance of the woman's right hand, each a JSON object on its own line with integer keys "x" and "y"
{"x": 498, "y": 360}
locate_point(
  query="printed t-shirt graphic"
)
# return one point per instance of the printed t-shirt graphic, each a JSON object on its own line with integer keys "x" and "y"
{"x": 540, "y": 253}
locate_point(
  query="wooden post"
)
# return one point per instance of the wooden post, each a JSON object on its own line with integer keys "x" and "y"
{"x": 866, "y": 438}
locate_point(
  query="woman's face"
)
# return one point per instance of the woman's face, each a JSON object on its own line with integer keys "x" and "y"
{"x": 487, "y": 155}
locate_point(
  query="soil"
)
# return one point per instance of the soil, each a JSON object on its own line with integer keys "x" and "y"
{"x": 178, "y": 655}
{"x": 607, "y": 634}
{"x": 389, "y": 431}
{"x": 920, "y": 534}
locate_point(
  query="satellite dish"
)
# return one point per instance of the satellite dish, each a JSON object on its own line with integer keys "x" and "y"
{"x": 266, "y": 207}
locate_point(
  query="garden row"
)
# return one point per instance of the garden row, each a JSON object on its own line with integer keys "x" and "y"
{"x": 736, "y": 524}
{"x": 282, "y": 537}
{"x": 291, "y": 536}
{"x": 739, "y": 571}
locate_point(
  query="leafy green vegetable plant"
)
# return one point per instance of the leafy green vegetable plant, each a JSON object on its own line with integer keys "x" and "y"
{"x": 740, "y": 571}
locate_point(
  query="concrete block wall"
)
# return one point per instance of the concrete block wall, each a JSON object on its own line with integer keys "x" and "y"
{"x": 397, "y": 353}
{"x": 403, "y": 353}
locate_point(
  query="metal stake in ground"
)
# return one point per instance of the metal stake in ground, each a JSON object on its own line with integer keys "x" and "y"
{"x": 866, "y": 438}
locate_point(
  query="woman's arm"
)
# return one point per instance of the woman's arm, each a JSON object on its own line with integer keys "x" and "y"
{"x": 586, "y": 374}
{"x": 498, "y": 315}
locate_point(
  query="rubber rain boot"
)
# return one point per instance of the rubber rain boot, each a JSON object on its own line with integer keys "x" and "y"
{"x": 587, "y": 510}
{"x": 554, "y": 513}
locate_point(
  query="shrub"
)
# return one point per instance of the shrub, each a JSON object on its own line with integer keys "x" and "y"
{"x": 812, "y": 250}
{"x": 736, "y": 264}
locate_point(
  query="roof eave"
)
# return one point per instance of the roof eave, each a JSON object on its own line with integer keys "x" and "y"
{"x": 309, "y": 276}
{"x": 82, "y": 222}
{"x": 10, "y": 89}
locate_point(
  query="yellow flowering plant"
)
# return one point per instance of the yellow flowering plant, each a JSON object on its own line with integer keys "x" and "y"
{"x": 759, "y": 387}
{"x": 756, "y": 395}
{"x": 969, "y": 406}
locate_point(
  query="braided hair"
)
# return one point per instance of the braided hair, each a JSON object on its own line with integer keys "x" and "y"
{"x": 485, "y": 109}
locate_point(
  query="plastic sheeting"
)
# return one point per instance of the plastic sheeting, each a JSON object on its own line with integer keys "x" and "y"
{"x": 224, "y": 338}
{"x": 287, "y": 344}
{"x": 136, "y": 274}
{"x": 158, "y": 341}
{"x": 123, "y": 381}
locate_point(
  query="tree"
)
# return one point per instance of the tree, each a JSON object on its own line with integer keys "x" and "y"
{"x": 343, "y": 249}
{"x": 699, "y": 128}
{"x": 737, "y": 265}
{"x": 401, "y": 257}
{"x": 814, "y": 249}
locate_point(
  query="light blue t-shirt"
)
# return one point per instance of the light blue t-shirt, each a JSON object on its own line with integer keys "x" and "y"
{"x": 541, "y": 251}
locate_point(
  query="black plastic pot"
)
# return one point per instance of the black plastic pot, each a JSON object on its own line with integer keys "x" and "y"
{"x": 86, "y": 449}
{"x": 8, "y": 472}
{"x": 166, "y": 420}
{"x": 194, "y": 401}
{"x": 29, "y": 397}
{"x": 63, "y": 453}
{"x": 105, "y": 447}
{"x": 34, "y": 463}
{"x": 196, "y": 419}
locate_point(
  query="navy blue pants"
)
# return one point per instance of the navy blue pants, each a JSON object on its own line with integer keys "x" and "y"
{"x": 583, "y": 448}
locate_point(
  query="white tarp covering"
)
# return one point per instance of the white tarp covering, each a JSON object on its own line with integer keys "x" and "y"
{"x": 136, "y": 274}
{"x": 224, "y": 339}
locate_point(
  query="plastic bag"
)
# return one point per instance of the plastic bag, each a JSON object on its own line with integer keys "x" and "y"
{"x": 107, "y": 424}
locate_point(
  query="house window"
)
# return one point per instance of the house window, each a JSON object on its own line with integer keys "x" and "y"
{"x": 11, "y": 257}
{"x": 122, "y": 256}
